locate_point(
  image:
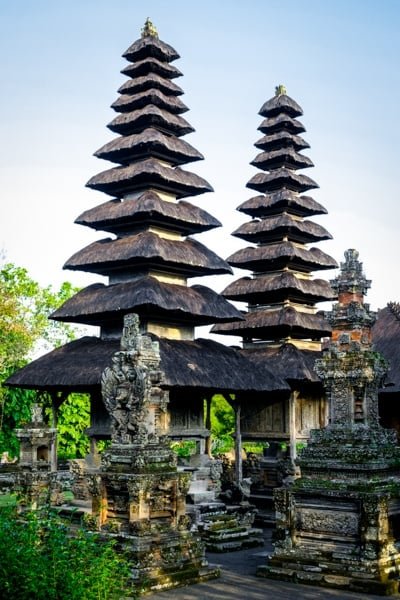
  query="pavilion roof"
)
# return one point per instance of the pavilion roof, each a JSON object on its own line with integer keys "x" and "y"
{"x": 202, "y": 364}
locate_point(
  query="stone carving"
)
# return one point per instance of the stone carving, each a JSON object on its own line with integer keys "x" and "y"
{"x": 124, "y": 387}
{"x": 327, "y": 521}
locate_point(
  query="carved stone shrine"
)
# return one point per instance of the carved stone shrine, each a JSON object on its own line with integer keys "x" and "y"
{"x": 338, "y": 524}
{"x": 139, "y": 496}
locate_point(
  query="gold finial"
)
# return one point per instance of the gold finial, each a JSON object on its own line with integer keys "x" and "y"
{"x": 149, "y": 29}
{"x": 280, "y": 90}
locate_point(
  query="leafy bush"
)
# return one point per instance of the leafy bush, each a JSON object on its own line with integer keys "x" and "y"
{"x": 41, "y": 559}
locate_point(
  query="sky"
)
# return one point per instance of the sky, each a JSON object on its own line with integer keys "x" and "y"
{"x": 60, "y": 71}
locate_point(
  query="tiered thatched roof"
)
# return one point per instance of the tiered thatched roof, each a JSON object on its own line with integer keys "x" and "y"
{"x": 149, "y": 258}
{"x": 281, "y": 293}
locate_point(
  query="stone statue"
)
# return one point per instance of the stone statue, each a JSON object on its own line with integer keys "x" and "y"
{"x": 124, "y": 389}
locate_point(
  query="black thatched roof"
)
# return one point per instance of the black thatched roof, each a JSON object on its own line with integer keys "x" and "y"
{"x": 282, "y": 201}
{"x": 147, "y": 143}
{"x": 283, "y": 157}
{"x": 278, "y": 178}
{"x": 281, "y": 122}
{"x": 148, "y": 297}
{"x": 149, "y": 209}
{"x": 150, "y": 81}
{"x": 274, "y": 257}
{"x": 200, "y": 364}
{"x": 149, "y": 251}
{"x": 151, "y": 65}
{"x": 149, "y": 173}
{"x": 386, "y": 339}
{"x": 281, "y": 139}
{"x": 129, "y": 102}
{"x": 75, "y": 367}
{"x": 276, "y": 324}
{"x": 276, "y": 228}
{"x": 281, "y": 103}
{"x": 150, "y": 46}
{"x": 273, "y": 288}
{"x": 150, "y": 116}
{"x": 287, "y": 361}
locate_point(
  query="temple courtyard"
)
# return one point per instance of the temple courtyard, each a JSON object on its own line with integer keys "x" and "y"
{"x": 238, "y": 582}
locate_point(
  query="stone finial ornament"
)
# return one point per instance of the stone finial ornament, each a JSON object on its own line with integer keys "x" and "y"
{"x": 280, "y": 90}
{"x": 149, "y": 30}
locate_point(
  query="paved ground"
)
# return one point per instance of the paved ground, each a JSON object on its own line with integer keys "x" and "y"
{"x": 238, "y": 582}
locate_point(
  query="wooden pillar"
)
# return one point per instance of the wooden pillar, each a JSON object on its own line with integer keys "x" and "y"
{"x": 208, "y": 425}
{"x": 238, "y": 443}
{"x": 292, "y": 424}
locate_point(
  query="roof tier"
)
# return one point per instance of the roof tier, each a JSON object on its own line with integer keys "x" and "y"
{"x": 282, "y": 201}
{"x": 124, "y": 216}
{"x": 149, "y": 173}
{"x": 280, "y": 227}
{"x": 150, "y": 82}
{"x": 129, "y": 102}
{"x": 101, "y": 304}
{"x": 279, "y": 287}
{"x": 281, "y": 139}
{"x": 146, "y": 144}
{"x": 283, "y": 255}
{"x": 269, "y": 324}
{"x": 148, "y": 251}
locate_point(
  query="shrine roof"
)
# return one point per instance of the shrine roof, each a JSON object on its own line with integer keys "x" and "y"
{"x": 150, "y": 46}
{"x": 275, "y": 324}
{"x": 150, "y": 81}
{"x": 276, "y": 227}
{"x": 149, "y": 173}
{"x": 271, "y": 288}
{"x": 98, "y": 303}
{"x": 281, "y": 178}
{"x": 279, "y": 255}
{"x": 149, "y": 143}
{"x": 154, "y": 96}
{"x": 148, "y": 249}
{"x": 282, "y": 201}
{"x": 386, "y": 339}
{"x": 294, "y": 364}
{"x": 119, "y": 215}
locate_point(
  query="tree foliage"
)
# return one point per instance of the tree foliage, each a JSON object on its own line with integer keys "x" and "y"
{"x": 25, "y": 331}
{"x": 222, "y": 424}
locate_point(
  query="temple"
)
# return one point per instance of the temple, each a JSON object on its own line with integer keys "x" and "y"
{"x": 148, "y": 260}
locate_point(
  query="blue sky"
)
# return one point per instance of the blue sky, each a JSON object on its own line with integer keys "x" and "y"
{"x": 60, "y": 70}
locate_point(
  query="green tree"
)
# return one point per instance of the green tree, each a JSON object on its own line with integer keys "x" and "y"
{"x": 25, "y": 331}
{"x": 222, "y": 424}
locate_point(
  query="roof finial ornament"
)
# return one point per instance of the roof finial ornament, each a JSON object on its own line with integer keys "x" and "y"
{"x": 149, "y": 30}
{"x": 280, "y": 90}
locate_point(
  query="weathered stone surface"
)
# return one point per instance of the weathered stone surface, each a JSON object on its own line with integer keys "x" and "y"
{"x": 337, "y": 523}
